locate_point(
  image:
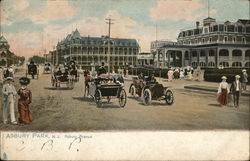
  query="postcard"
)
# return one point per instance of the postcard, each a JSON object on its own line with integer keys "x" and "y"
{"x": 124, "y": 80}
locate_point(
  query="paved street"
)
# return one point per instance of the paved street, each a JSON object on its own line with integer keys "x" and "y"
{"x": 67, "y": 110}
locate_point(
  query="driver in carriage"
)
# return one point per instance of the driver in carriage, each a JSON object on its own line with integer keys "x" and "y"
{"x": 151, "y": 78}
{"x": 32, "y": 69}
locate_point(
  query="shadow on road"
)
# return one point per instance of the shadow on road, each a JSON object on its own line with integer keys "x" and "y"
{"x": 83, "y": 99}
{"x": 215, "y": 105}
{"x": 59, "y": 88}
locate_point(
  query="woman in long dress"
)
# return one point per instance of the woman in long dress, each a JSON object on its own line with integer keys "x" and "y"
{"x": 25, "y": 99}
{"x": 223, "y": 92}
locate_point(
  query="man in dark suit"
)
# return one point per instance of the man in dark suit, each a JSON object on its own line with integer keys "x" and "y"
{"x": 236, "y": 90}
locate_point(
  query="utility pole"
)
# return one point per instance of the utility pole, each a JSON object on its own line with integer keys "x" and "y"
{"x": 109, "y": 22}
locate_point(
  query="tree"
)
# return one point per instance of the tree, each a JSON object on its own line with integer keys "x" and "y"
{"x": 37, "y": 59}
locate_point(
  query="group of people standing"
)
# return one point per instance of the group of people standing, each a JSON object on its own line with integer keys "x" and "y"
{"x": 9, "y": 101}
{"x": 235, "y": 89}
{"x": 184, "y": 73}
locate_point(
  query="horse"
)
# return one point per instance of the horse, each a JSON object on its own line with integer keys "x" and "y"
{"x": 87, "y": 79}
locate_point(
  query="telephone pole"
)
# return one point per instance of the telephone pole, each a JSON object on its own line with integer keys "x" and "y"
{"x": 109, "y": 22}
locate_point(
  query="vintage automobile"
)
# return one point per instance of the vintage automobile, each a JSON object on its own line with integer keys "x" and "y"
{"x": 58, "y": 78}
{"x": 32, "y": 70}
{"x": 47, "y": 68}
{"x": 100, "y": 88}
{"x": 149, "y": 89}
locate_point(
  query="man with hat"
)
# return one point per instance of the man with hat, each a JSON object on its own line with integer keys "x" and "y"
{"x": 102, "y": 70}
{"x": 25, "y": 99}
{"x": 244, "y": 79}
{"x": 236, "y": 90}
{"x": 223, "y": 92}
{"x": 9, "y": 97}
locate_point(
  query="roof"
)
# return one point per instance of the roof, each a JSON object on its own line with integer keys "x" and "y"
{"x": 99, "y": 40}
{"x": 3, "y": 40}
{"x": 244, "y": 21}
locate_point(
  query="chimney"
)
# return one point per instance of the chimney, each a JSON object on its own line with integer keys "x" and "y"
{"x": 197, "y": 24}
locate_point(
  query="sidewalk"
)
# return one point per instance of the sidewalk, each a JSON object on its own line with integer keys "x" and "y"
{"x": 190, "y": 84}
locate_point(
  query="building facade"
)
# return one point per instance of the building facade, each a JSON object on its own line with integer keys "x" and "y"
{"x": 145, "y": 59}
{"x": 92, "y": 51}
{"x": 7, "y": 58}
{"x": 210, "y": 45}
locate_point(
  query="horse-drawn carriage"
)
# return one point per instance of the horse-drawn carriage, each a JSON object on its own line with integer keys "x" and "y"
{"x": 100, "y": 88}
{"x": 47, "y": 68}
{"x": 32, "y": 70}
{"x": 58, "y": 78}
{"x": 149, "y": 89}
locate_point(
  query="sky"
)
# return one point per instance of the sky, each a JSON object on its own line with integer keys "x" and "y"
{"x": 33, "y": 27}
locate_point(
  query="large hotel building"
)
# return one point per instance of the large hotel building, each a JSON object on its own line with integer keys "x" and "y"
{"x": 92, "y": 51}
{"x": 209, "y": 45}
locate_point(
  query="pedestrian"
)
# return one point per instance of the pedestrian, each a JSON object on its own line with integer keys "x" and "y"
{"x": 6, "y": 72}
{"x": 124, "y": 72}
{"x": 170, "y": 75}
{"x": 9, "y": 97}
{"x": 11, "y": 70}
{"x": 235, "y": 89}
{"x": 244, "y": 79}
{"x": 223, "y": 92}
{"x": 25, "y": 99}
{"x": 113, "y": 70}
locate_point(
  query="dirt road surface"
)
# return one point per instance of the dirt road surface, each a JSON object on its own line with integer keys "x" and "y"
{"x": 67, "y": 110}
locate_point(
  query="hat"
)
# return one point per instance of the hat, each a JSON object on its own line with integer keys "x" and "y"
{"x": 9, "y": 78}
{"x": 24, "y": 81}
{"x": 237, "y": 76}
{"x": 224, "y": 77}
{"x": 244, "y": 70}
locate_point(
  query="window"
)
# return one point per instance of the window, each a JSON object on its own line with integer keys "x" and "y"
{"x": 223, "y": 52}
{"x": 247, "y": 54}
{"x": 189, "y": 42}
{"x": 206, "y": 30}
{"x": 234, "y": 40}
{"x": 247, "y": 29}
{"x": 196, "y": 41}
{"x": 225, "y": 39}
{"x": 211, "y": 64}
{"x": 237, "y": 53}
{"x": 236, "y": 64}
{"x": 243, "y": 40}
{"x": 196, "y": 31}
{"x": 224, "y": 64}
{"x": 186, "y": 55}
{"x": 203, "y": 40}
{"x": 221, "y": 27}
{"x": 210, "y": 39}
{"x": 210, "y": 29}
{"x": 215, "y": 28}
{"x": 202, "y": 53}
{"x": 211, "y": 53}
{"x": 230, "y": 28}
{"x": 240, "y": 29}
{"x": 194, "y": 54}
{"x": 247, "y": 64}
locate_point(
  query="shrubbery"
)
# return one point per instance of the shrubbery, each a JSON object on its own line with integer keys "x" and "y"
{"x": 214, "y": 75}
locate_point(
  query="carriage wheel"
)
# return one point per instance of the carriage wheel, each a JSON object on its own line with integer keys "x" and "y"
{"x": 108, "y": 99}
{"x": 122, "y": 98}
{"x": 169, "y": 97}
{"x": 98, "y": 98}
{"x": 132, "y": 90}
{"x": 147, "y": 97}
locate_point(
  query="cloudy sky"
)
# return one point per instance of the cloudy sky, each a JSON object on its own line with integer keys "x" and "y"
{"x": 33, "y": 26}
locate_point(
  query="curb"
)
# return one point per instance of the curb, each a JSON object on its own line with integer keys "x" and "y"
{"x": 209, "y": 89}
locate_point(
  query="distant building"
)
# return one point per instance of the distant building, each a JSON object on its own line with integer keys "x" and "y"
{"x": 91, "y": 51}
{"x": 209, "y": 45}
{"x": 6, "y": 56}
{"x": 145, "y": 59}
